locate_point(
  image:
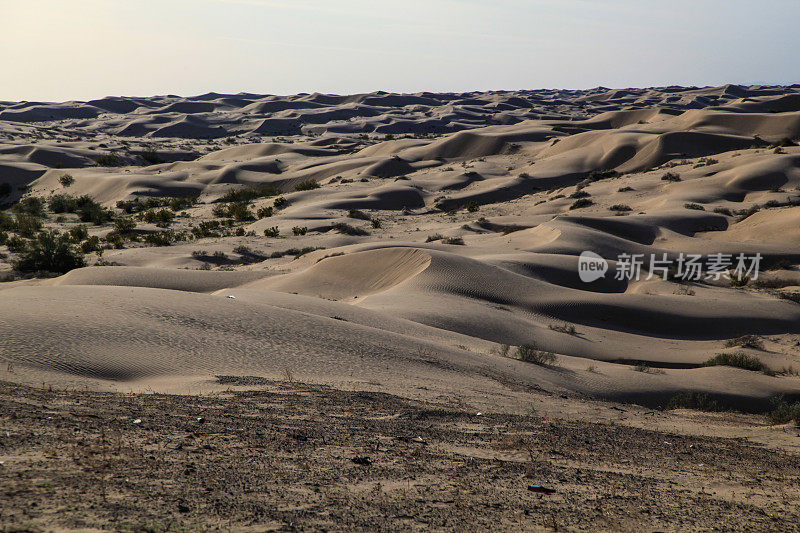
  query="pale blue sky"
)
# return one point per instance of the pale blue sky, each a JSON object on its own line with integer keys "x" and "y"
{"x": 83, "y": 49}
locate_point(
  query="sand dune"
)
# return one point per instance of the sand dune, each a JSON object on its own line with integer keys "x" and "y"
{"x": 416, "y": 234}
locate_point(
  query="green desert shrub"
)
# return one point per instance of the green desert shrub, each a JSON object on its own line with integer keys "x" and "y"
{"x": 569, "y": 329}
{"x": 7, "y": 222}
{"x": 746, "y": 341}
{"x": 108, "y": 160}
{"x": 163, "y": 238}
{"x": 671, "y": 176}
{"x": 92, "y": 244}
{"x": 347, "y": 229}
{"x": 124, "y": 226}
{"x": 84, "y": 206}
{"x": 357, "y": 214}
{"x": 458, "y": 241}
{"x": 16, "y": 244}
{"x": 297, "y": 230}
{"x": 78, "y": 233}
{"x": 620, "y": 207}
{"x": 783, "y": 411}
{"x": 264, "y": 212}
{"x": 307, "y": 185}
{"x": 696, "y": 207}
{"x": 50, "y": 251}
{"x": 27, "y": 225}
{"x": 175, "y": 203}
{"x": 596, "y": 175}
{"x": 582, "y": 202}
{"x": 297, "y": 252}
{"x": 62, "y": 203}
{"x": 530, "y": 354}
{"x": 737, "y": 360}
{"x": 151, "y": 157}
{"x": 249, "y": 194}
{"x": 693, "y": 400}
{"x": 159, "y": 217}
{"x": 208, "y": 228}
{"x": 280, "y": 202}
{"x": 115, "y": 239}
{"x": 66, "y": 180}
{"x": 272, "y": 232}
{"x": 32, "y": 205}
{"x": 237, "y": 210}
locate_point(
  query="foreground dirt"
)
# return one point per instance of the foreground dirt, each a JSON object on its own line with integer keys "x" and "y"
{"x": 300, "y": 457}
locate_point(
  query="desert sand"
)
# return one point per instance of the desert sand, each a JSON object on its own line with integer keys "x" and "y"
{"x": 409, "y": 243}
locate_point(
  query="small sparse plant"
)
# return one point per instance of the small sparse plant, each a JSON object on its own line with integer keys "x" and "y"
{"x": 92, "y": 244}
{"x": 583, "y": 202}
{"x": 347, "y": 229}
{"x": 737, "y": 360}
{"x": 569, "y": 329}
{"x": 297, "y": 230}
{"x": 783, "y": 411}
{"x": 272, "y": 232}
{"x": 694, "y": 400}
{"x": 620, "y": 208}
{"x": 457, "y": 241}
{"x": 151, "y": 157}
{"x": 66, "y": 180}
{"x": 671, "y": 176}
{"x": 208, "y": 228}
{"x": 108, "y": 160}
{"x": 746, "y": 341}
{"x": 738, "y": 279}
{"x": 163, "y": 238}
{"x": 696, "y": 207}
{"x": 124, "y": 225}
{"x": 530, "y": 354}
{"x": 647, "y": 369}
{"x": 236, "y": 210}
{"x": 357, "y": 214}
{"x": 596, "y": 175}
{"x": 160, "y": 217}
{"x": 308, "y": 185}
{"x": 249, "y": 194}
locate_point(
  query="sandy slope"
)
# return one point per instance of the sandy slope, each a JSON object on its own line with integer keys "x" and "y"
{"x": 400, "y": 307}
